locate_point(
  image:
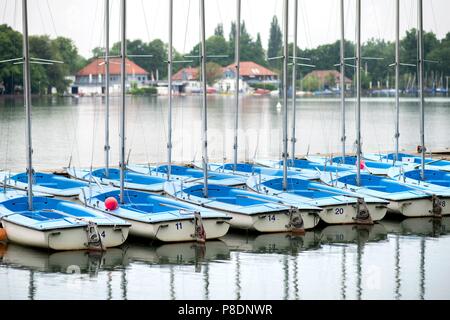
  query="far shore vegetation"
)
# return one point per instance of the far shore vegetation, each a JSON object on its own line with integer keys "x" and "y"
{"x": 324, "y": 57}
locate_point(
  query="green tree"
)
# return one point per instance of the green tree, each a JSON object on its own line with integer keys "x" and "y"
{"x": 213, "y": 72}
{"x": 69, "y": 54}
{"x": 156, "y": 48}
{"x": 41, "y": 47}
{"x": 11, "y": 47}
{"x": 441, "y": 53}
{"x": 218, "y": 31}
{"x": 259, "y": 55}
{"x": 275, "y": 41}
{"x": 310, "y": 83}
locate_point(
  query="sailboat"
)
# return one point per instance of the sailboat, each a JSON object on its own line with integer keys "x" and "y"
{"x": 403, "y": 199}
{"x": 436, "y": 183}
{"x": 108, "y": 175}
{"x": 304, "y": 167}
{"x": 248, "y": 210}
{"x": 52, "y": 223}
{"x": 409, "y": 159}
{"x": 405, "y": 158}
{"x": 178, "y": 172}
{"x": 251, "y": 169}
{"x": 340, "y": 207}
{"x": 44, "y": 182}
{"x": 153, "y": 216}
{"x": 347, "y": 161}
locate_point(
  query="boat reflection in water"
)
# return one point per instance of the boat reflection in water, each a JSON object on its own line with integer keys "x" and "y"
{"x": 427, "y": 226}
{"x": 353, "y": 233}
{"x": 79, "y": 262}
{"x": 393, "y": 259}
{"x": 184, "y": 253}
{"x": 282, "y": 243}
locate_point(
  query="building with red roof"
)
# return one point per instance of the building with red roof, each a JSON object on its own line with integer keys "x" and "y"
{"x": 186, "y": 74}
{"x": 188, "y": 79}
{"x": 251, "y": 72}
{"x": 91, "y": 78}
{"x": 329, "y": 79}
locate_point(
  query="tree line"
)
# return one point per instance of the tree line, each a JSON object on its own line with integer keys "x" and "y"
{"x": 44, "y": 77}
{"x": 324, "y": 57}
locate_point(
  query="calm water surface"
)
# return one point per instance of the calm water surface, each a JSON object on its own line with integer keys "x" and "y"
{"x": 65, "y": 128}
{"x": 395, "y": 259}
{"x": 406, "y": 259}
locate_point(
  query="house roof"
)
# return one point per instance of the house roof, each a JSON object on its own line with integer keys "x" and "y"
{"x": 247, "y": 68}
{"x": 188, "y": 73}
{"x": 322, "y": 74}
{"x": 251, "y": 69}
{"x": 97, "y": 67}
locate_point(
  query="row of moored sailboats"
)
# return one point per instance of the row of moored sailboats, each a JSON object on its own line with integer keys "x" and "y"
{"x": 175, "y": 203}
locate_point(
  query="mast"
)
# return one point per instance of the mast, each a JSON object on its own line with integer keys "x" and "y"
{"x": 237, "y": 63}
{"x": 107, "y": 146}
{"x": 294, "y": 64}
{"x": 397, "y": 77}
{"x": 421, "y": 98}
{"x": 204, "y": 104}
{"x": 169, "y": 75}
{"x": 285, "y": 102}
{"x": 358, "y": 92}
{"x": 342, "y": 79}
{"x": 122, "y": 113}
{"x": 27, "y": 99}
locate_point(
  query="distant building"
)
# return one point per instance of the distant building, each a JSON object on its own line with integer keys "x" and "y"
{"x": 91, "y": 79}
{"x": 329, "y": 79}
{"x": 228, "y": 85}
{"x": 251, "y": 72}
{"x": 187, "y": 80}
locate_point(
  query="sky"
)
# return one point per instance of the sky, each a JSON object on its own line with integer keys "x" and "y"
{"x": 318, "y": 20}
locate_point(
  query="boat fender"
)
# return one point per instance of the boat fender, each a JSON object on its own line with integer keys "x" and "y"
{"x": 437, "y": 208}
{"x": 3, "y": 236}
{"x": 200, "y": 234}
{"x": 296, "y": 224}
{"x": 362, "y": 214}
{"x": 111, "y": 203}
{"x": 3, "y": 247}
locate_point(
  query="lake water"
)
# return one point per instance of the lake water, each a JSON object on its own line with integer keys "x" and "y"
{"x": 67, "y": 128}
{"x": 394, "y": 259}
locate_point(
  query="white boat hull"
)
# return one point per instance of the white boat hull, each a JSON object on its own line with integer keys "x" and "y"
{"x": 412, "y": 207}
{"x": 339, "y": 214}
{"x": 64, "y": 238}
{"x": 177, "y": 230}
{"x": 347, "y": 213}
{"x": 270, "y": 222}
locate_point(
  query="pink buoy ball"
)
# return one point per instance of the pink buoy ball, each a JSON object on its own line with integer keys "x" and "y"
{"x": 362, "y": 165}
{"x": 111, "y": 203}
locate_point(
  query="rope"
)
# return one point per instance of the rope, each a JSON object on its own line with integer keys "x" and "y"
{"x": 186, "y": 27}
{"x": 40, "y": 15}
{"x": 51, "y": 18}
{"x": 93, "y": 24}
{"x": 4, "y": 10}
{"x": 8, "y": 126}
{"x": 145, "y": 20}
{"x": 94, "y": 125}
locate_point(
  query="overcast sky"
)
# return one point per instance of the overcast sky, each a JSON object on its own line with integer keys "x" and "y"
{"x": 82, "y": 20}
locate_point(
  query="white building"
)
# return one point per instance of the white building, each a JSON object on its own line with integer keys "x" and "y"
{"x": 91, "y": 79}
